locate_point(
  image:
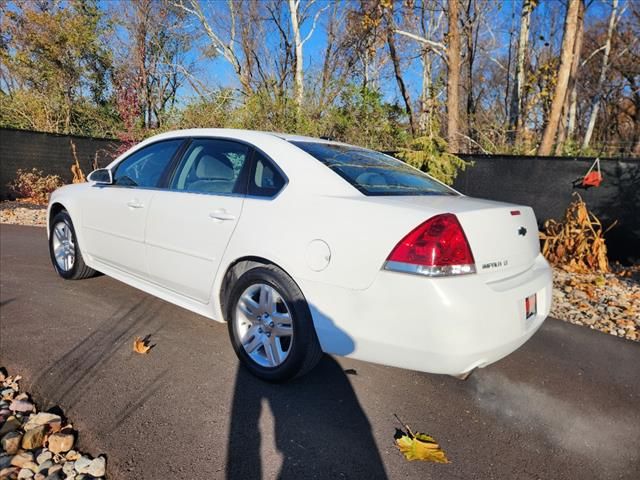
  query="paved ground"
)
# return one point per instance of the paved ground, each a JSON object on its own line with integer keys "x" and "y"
{"x": 565, "y": 406}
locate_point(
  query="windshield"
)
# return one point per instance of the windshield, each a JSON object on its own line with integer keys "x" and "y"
{"x": 374, "y": 173}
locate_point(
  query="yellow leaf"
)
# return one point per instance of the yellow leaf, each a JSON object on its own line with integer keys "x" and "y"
{"x": 421, "y": 447}
{"x": 141, "y": 345}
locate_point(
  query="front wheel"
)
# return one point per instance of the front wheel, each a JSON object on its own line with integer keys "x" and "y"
{"x": 64, "y": 249}
{"x": 270, "y": 325}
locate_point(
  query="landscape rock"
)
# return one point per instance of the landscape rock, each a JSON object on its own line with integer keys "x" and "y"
{"x": 61, "y": 442}
{"x": 5, "y": 460}
{"x": 43, "y": 418}
{"x": 31, "y": 466}
{"x": 10, "y": 425}
{"x": 7, "y": 393}
{"x": 97, "y": 467}
{"x": 54, "y": 468}
{"x": 82, "y": 464}
{"x": 44, "y": 456}
{"x": 7, "y": 472}
{"x": 72, "y": 455}
{"x": 68, "y": 468}
{"x": 45, "y": 466}
{"x": 24, "y": 406}
{"x": 34, "y": 438}
{"x": 21, "y": 459}
{"x": 11, "y": 442}
{"x": 25, "y": 473}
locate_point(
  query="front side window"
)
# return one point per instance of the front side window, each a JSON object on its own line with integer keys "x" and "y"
{"x": 374, "y": 173}
{"x": 145, "y": 167}
{"x": 211, "y": 166}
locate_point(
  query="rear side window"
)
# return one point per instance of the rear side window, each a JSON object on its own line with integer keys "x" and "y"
{"x": 374, "y": 173}
{"x": 265, "y": 179}
{"x": 145, "y": 167}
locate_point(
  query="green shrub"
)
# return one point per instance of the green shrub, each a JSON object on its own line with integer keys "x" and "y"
{"x": 430, "y": 155}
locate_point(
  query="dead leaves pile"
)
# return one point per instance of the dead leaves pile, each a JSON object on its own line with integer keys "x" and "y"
{"x": 576, "y": 244}
{"x": 419, "y": 446}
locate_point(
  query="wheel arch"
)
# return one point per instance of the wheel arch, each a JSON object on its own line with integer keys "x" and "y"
{"x": 55, "y": 208}
{"x": 234, "y": 270}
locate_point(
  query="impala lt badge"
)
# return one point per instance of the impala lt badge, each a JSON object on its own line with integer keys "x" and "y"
{"x": 522, "y": 231}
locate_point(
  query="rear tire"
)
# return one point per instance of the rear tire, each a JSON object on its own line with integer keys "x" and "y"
{"x": 274, "y": 339}
{"x": 64, "y": 249}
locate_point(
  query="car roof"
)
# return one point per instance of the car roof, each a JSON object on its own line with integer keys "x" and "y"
{"x": 290, "y": 137}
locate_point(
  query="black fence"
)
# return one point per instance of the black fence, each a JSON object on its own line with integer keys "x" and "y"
{"x": 21, "y": 149}
{"x": 545, "y": 183}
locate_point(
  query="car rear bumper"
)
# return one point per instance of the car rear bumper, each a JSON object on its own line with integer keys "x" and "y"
{"x": 443, "y": 325}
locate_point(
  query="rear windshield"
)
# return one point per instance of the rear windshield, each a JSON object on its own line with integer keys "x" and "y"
{"x": 374, "y": 173}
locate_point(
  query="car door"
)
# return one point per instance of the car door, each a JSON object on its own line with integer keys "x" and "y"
{"x": 114, "y": 216}
{"x": 191, "y": 221}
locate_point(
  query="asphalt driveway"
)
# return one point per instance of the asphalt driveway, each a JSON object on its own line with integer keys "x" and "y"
{"x": 565, "y": 406}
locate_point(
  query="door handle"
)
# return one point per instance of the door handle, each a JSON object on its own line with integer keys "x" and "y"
{"x": 221, "y": 214}
{"x": 135, "y": 204}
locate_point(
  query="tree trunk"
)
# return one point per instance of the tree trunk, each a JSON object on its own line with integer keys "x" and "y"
{"x": 515, "y": 111}
{"x": 297, "y": 40}
{"x": 328, "y": 56}
{"x": 424, "y": 120}
{"x": 453, "y": 78}
{"x": 568, "y": 120}
{"x": 398, "y": 74}
{"x": 564, "y": 73}
{"x": 595, "y": 103}
{"x": 471, "y": 36}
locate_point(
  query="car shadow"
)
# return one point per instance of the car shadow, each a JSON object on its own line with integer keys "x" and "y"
{"x": 320, "y": 429}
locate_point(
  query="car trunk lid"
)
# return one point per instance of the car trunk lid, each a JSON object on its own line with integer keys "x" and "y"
{"x": 503, "y": 237}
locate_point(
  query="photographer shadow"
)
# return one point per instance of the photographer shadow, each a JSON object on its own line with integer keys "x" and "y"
{"x": 319, "y": 427}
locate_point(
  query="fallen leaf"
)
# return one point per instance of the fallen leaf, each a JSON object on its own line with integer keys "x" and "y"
{"x": 141, "y": 345}
{"x": 418, "y": 446}
{"x": 421, "y": 447}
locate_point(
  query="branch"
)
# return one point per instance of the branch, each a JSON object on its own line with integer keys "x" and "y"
{"x": 218, "y": 44}
{"x": 313, "y": 26}
{"x": 594, "y": 53}
{"x": 436, "y": 47}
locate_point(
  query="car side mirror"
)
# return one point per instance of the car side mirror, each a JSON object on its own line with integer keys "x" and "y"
{"x": 101, "y": 176}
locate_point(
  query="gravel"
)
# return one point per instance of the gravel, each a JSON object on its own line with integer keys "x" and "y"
{"x": 23, "y": 213}
{"x": 608, "y": 302}
{"x": 38, "y": 444}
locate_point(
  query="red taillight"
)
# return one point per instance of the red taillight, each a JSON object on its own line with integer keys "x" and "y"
{"x": 438, "y": 247}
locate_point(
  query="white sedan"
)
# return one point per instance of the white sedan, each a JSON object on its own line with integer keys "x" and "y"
{"x": 305, "y": 246}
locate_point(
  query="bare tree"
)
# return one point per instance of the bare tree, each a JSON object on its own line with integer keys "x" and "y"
{"x": 397, "y": 68}
{"x": 564, "y": 73}
{"x": 595, "y": 103}
{"x": 518, "y": 90}
{"x": 298, "y": 17}
{"x": 226, "y": 47}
